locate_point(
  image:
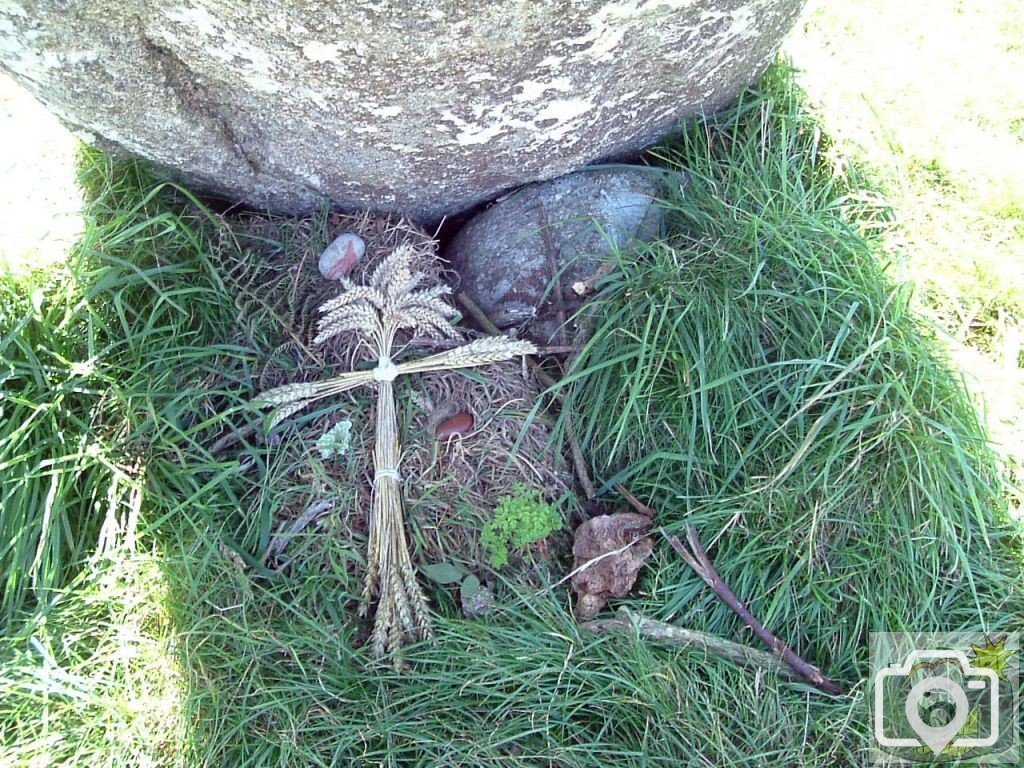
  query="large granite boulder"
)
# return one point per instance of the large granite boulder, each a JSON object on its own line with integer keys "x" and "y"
{"x": 426, "y": 108}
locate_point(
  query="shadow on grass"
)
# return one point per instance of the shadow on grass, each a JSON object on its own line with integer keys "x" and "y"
{"x": 847, "y": 479}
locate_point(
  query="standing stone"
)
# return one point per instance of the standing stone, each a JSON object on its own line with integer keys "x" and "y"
{"x": 424, "y": 108}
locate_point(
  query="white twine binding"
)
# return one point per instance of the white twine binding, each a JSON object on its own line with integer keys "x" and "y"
{"x": 385, "y": 370}
{"x": 380, "y": 474}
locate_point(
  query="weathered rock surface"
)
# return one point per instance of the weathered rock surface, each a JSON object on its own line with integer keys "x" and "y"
{"x": 507, "y": 257}
{"x": 424, "y": 108}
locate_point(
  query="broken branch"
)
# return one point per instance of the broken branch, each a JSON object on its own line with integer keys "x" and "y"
{"x": 697, "y": 558}
{"x": 232, "y": 437}
{"x": 637, "y": 505}
{"x": 280, "y": 540}
{"x": 658, "y": 631}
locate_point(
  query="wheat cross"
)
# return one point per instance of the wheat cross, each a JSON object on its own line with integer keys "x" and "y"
{"x": 391, "y": 300}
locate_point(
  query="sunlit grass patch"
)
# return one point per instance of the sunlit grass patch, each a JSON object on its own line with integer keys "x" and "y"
{"x": 760, "y": 376}
{"x": 96, "y": 680}
{"x": 935, "y": 113}
{"x": 99, "y": 363}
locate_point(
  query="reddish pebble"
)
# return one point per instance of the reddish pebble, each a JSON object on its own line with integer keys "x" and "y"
{"x": 341, "y": 256}
{"x": 456, "y": 426}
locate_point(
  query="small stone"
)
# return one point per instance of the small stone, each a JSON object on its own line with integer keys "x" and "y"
{"x": 341, "y": 256}
{"x": 478, "y": 603}
{"x": 457, "y": 426}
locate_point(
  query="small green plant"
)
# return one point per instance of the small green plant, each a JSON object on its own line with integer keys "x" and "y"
{"x": 336, "y": 441}
{"x": 520, "y": 519}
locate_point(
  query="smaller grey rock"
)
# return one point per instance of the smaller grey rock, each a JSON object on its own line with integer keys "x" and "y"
{"x": 477, "y": 603}
{"x": 341, "y": 256}
{"x": 504, "y": 255}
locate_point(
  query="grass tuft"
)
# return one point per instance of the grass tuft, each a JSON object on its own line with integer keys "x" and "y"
{"x": 757, "y": 374}
{"x": 105, "y": 367}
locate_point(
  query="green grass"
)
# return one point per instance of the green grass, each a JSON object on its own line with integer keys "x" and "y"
{"x": 102, "y": 392}
{"x": 93, "y": 681}
{"x": 757, "y": 374}
{"x": 936, "y": 115}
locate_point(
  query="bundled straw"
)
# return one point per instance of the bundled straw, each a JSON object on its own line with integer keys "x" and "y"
{"x": 391, "y": 301}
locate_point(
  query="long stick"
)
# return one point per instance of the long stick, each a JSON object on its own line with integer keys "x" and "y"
{"x": 699, "y": 561}
{"x": 660, "y": 632}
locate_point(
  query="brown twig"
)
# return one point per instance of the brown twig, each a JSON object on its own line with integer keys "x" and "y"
{"x": 487, "y": 324}
{"x": 699, "y": 561}
{"x": 478, "y": 314}
{"x": 578, "y": 460}
{"x": 280, "y": 540}
{"x": 543, "y": 377}
{"x": 556, "y": 282}
{"x": 559, "y": 349}
{"x": 638, "y": 506}
{"x": 231, "y": 438}
{"x": 579, "y": 463}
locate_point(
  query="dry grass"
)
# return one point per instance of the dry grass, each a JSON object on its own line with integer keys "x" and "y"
{"x": 460, "y": 480}
{"x": 401, "y": 298}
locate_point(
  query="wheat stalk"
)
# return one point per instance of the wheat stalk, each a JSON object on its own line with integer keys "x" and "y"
{"x": 392, "y": 300}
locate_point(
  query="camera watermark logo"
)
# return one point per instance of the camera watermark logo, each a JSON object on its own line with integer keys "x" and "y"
{"x": 945, "y": 697}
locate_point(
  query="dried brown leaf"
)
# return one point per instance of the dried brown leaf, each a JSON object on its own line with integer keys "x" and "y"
{"x": 608, "y": 553}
